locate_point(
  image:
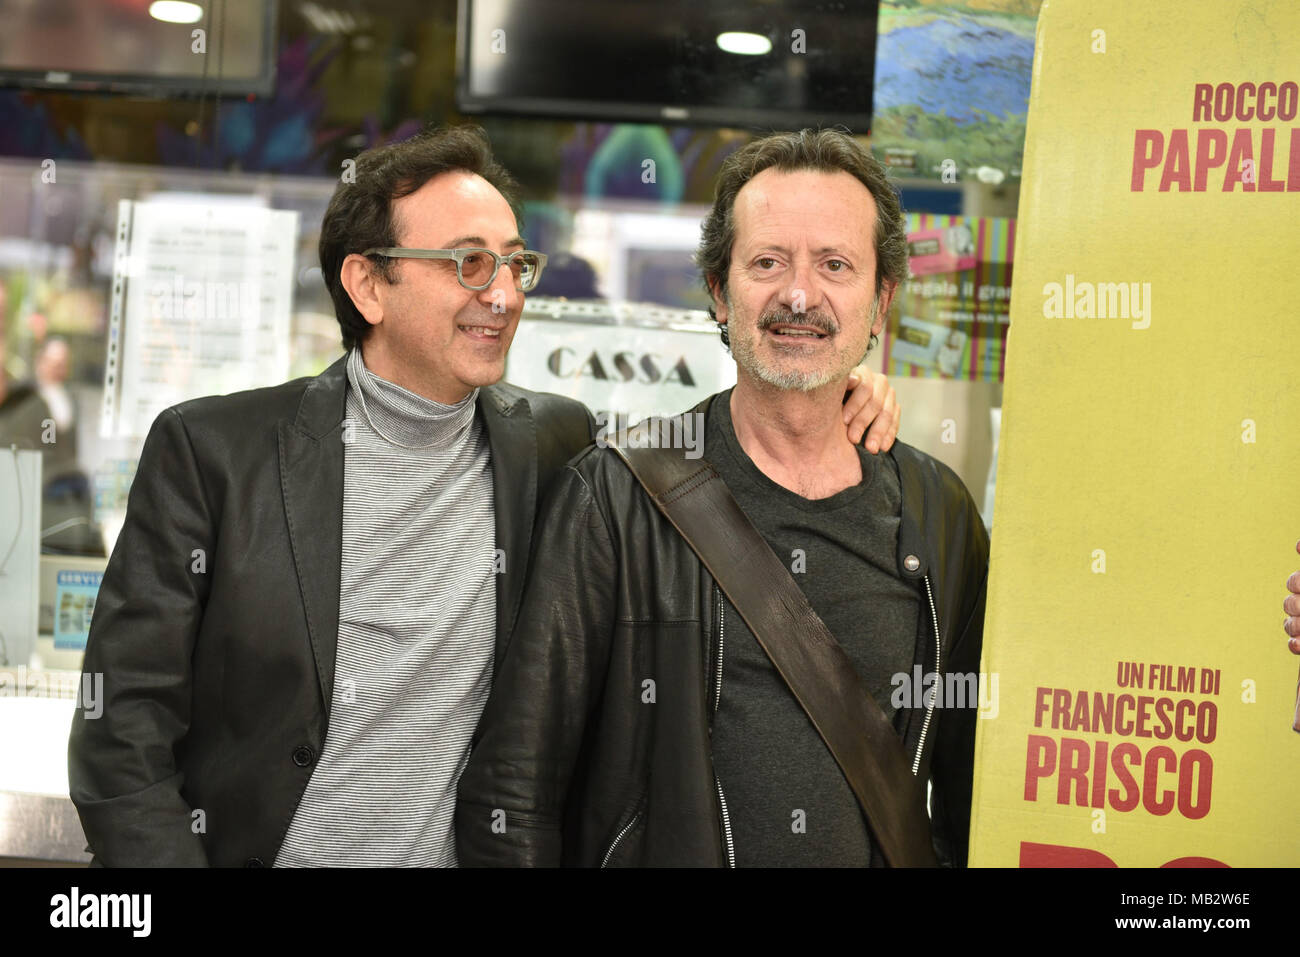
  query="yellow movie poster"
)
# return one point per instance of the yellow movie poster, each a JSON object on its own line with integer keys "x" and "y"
{"x": 1148, "y": 497}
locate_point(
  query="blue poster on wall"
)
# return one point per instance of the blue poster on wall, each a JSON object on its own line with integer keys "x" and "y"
{"x": 74, "y": 603}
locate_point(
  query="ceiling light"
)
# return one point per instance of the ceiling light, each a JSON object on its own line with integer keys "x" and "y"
{"x": 747, "y": 44}
{"x": 175, "y": 11}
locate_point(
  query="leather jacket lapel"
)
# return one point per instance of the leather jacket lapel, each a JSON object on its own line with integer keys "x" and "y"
{"x": 913, "y": 539}
{"x": 311, "y": 479}
{"x": 513, "y": 439}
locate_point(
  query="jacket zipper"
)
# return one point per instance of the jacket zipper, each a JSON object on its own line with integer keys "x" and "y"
{"x": 929, "y": 711}
{"x": 717, "y": 699}
{"x": 717, "y": 684}
{"x": 726, "y": 824}
{"x": 604, "y": 861}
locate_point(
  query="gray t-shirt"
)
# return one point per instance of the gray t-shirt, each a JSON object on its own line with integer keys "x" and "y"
{"x": 771, "y": 763}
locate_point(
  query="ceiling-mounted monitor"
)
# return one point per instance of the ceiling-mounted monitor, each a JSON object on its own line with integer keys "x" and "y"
{"x": 762, "y": 65}
{"x": 145, "y": 47}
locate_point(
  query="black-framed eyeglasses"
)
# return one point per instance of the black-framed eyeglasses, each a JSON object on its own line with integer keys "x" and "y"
{"x": 477, "y": 268}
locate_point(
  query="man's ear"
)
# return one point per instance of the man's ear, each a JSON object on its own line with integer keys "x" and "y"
{"x": 886, "y": 297}
{"x": 359, "y": 279}
{"x": 719, "y": 300}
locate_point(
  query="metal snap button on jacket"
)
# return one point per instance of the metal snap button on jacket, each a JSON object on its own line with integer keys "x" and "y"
{"x": 911, "y": 563}
{"x": 303, "y": 756}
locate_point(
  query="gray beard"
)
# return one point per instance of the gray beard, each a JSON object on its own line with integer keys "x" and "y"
{"x": 744, "y": 352}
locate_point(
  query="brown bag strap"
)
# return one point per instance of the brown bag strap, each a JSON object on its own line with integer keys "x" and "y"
{"x": 693, "y": 496}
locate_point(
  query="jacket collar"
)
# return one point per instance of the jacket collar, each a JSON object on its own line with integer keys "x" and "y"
{"x": 324, "y": 401}
{"x": 512, "y": 437}
{"x": 311, "y": 481}
{"x": 913, "y": 540}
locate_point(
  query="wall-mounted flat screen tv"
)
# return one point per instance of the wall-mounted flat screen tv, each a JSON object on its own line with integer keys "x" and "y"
{"x": 146, "y": 47}
{"x": 781, "y": 64}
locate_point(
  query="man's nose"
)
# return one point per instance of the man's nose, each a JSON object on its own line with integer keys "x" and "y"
{"x": 501, "y": 296}
{"x": 803, "y": 292}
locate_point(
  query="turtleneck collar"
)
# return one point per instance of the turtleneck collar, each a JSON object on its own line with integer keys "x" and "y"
{"x": 403, "y": 418}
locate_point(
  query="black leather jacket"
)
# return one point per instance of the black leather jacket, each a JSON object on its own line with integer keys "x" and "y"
{"x": 572, "y": 765}
{"x": 217, "y": 619}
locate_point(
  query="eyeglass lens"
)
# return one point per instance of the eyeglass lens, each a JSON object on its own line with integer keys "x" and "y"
{"x": 476, "y": 269}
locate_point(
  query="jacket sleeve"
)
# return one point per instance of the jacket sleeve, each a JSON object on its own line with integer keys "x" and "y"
{"x": 122, "y": 769}
{"x": 953, "y": 769}
{"x": 513, "y": 792}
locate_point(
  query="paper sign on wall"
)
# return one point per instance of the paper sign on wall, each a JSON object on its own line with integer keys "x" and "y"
{"x": 202, "y": 295}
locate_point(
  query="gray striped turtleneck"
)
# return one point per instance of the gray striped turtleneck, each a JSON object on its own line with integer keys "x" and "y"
{"x": 417, "y": 624}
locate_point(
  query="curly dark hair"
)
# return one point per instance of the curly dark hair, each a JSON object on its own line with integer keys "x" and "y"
{"x": 360, "y": 214}
{"x": 825, "y": 151}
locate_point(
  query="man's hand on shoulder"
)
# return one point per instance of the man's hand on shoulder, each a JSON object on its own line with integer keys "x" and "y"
{"x": 1291, "y": 605}
{"x": 871, "y": 409}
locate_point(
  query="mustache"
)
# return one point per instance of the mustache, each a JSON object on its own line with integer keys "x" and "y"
{"x": 814, "y": 319}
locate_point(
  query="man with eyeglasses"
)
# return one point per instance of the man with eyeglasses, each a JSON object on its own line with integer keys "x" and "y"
{"x": 299, "y": 625}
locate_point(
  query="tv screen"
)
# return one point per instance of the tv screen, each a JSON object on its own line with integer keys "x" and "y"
{"x": 139, "y": 46}
{"x": 725, "y": 63}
